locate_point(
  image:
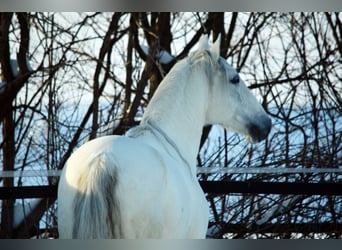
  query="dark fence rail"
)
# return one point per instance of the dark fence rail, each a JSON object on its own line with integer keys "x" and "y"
{"x": 303, "y": 228}
{"x": 249, "y": 187}
{"x": 213, "y": 187}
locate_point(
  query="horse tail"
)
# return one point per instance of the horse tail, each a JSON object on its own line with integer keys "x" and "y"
{"x": 96, "y": 206}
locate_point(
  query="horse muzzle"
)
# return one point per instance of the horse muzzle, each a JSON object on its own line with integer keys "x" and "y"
{"x": 258, "y": 131}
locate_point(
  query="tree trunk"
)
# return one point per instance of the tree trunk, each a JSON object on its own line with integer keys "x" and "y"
{"x": 8, "y": 147}
{"x": 8, "y": 164}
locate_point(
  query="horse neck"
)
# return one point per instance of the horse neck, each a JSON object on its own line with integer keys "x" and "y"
{"x": 178, "y": 109}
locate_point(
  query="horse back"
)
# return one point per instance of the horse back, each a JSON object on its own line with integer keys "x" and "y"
{"x": 153, "y": 195}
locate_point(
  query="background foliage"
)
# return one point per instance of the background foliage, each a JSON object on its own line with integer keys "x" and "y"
{"x": 67, "y": 78}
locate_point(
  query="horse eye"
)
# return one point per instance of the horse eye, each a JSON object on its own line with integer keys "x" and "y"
{"x": 235, "y": 79}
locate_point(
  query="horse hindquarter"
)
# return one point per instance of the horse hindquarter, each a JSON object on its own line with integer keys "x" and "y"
{"x": 129, "y": 189}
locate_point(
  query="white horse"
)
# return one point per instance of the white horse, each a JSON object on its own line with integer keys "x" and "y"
{"x": 144, "y": 185}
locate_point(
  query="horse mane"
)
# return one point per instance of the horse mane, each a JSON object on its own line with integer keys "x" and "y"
{"x": 179, "y": 78}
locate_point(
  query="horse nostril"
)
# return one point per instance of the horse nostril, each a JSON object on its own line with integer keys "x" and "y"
{"x": 259, "y": 131}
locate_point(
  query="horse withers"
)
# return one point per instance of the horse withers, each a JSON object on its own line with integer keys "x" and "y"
{"x": 144, "y": 184}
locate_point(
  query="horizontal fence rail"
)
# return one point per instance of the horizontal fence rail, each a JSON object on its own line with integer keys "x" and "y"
{"x": 200, "y": 170}
{"x": 249, "y": 187}
{"x": 277, "y": 228}
{"x": 213, "y": 187}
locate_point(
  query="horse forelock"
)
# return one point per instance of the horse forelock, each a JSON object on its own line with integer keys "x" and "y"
{"x": 206, "y": 60}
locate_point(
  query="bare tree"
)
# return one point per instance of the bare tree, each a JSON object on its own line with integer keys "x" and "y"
{"x": 67, "y": 78}
{"x": 295, "y": 70}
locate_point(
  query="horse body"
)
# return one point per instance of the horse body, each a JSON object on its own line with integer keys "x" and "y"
{"x": 159, "y": 193}
{"x": 144, "y": 185}
{"x": 150, "y": 205}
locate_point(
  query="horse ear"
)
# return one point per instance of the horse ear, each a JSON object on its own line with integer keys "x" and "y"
{"x": 215, "y": 48}
{"x": 203, "y": 43}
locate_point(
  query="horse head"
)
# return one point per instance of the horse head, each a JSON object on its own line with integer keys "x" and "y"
{"x": 231, "y": 103}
